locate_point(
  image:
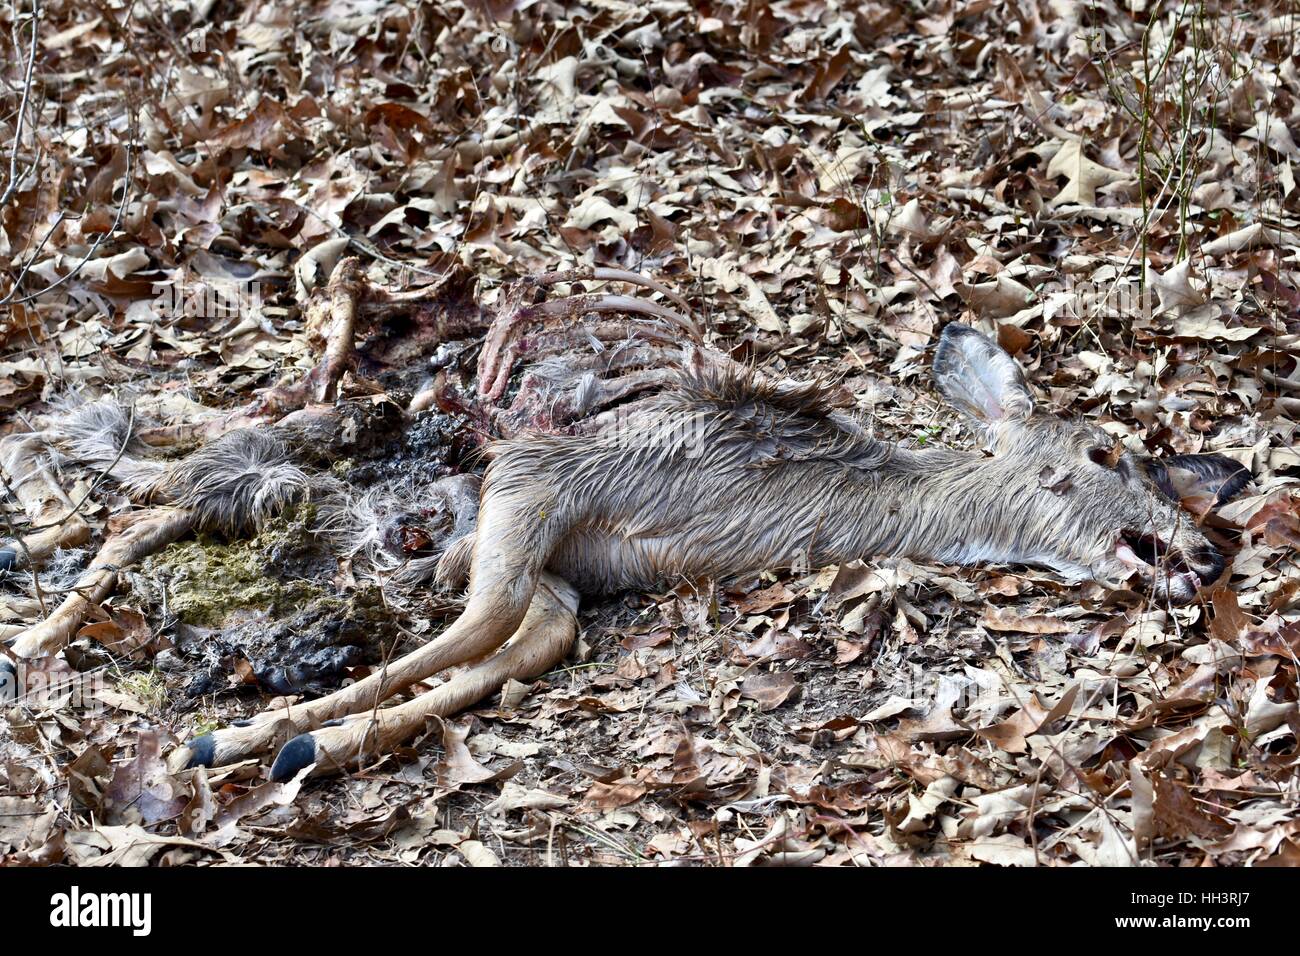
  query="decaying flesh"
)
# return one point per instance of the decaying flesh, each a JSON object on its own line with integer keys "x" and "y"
{"x": 251, "y": 462}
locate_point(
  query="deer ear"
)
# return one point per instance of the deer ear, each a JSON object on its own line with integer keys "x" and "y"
{"x": 1199, "y": 476}
{"x": 980, "y": 380}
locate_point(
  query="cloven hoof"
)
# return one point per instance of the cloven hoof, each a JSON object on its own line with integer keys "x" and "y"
{"x": 293, "y": 756}
{"x": 202, "y": 751}
{"x": 8, "y": 680}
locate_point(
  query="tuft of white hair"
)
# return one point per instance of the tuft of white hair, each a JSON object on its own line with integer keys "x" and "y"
{"x": 241, "y": 480}
{"x": 236, "y": 482}
{"x": 99, "y": 434}
{"x": 369, "y": 527}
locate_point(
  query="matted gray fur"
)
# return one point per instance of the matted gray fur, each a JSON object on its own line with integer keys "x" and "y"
{"x": 232, "y": 484}
{"x": 731, "y": 473}
{"x": 240, "y": 480}
{"x": 368, "y": 528}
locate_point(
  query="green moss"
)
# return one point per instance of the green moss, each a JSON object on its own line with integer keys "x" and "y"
{"x": 205, "y": 722}
{"x": 207, "y": 578}
{"x": 146, "y": 686}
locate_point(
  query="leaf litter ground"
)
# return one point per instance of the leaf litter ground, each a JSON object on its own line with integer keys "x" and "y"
{"x": 1111, "y": 194}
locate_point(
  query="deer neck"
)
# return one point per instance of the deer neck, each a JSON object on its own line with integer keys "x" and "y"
{"x": 937, "y": 504}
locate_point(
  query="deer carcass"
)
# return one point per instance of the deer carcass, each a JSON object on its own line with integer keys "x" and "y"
{"x": 252, "y": 463}
{"x": 727, "y": 472}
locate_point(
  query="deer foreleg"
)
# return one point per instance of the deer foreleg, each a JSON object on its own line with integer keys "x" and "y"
{"x": 469, "y": 637}
{"x": 542, "y": 640}
{"x": 504, "y": 579}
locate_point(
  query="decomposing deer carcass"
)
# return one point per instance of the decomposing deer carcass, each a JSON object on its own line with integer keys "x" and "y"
{"x": 718, "y": 472}
{"x": 255, "y": 460}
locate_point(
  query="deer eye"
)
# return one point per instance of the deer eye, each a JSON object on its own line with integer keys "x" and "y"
{"x": 1106, "y": 457}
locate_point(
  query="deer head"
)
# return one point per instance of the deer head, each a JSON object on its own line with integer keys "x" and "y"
{"x": 1077, "y": 501}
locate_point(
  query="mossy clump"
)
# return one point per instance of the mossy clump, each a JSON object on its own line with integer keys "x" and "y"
{"x": 146, "y": 686}
{"x": 207, "y": 578}
{"x": 308, "y": 650}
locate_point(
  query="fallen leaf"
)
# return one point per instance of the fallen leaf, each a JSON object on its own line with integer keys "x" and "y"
{"x": 770, "y": 691}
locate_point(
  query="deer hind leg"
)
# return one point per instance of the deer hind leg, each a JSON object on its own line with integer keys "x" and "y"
{"x": 542, "y": 640}
{"x": 506, "y": 568}
{"x": 25, "y": 473}
{"x": 238, "y": 480}
{"x": 148, "y": 532}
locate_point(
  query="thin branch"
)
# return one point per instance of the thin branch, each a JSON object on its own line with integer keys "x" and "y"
{"x": 22, "y": 106}
{"x": 99, "y": 239}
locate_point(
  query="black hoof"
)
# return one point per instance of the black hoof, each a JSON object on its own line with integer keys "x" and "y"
{"x": 8, "y": 680}
{"x": 292, "y": 757}
{"x": 8, "y": 558}
{"x": 202, "y": 751}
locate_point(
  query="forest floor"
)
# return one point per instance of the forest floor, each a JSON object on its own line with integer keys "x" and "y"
{"x": 1108, "y": 189}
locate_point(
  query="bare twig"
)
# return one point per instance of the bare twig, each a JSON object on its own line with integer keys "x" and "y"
{"x": 94, "y": 247}
{"x": 12, "y": 184}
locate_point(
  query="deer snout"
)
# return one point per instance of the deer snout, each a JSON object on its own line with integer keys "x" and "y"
{"x": 1189, "y": 570}
{"x": 1177, "y": 566}
{"x": 1207, "y": 562}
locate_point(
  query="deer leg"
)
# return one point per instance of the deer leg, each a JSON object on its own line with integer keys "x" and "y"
{"x": 149, "y": 532}
{"x": 26, "y": 475}
{"x": 507, "y": 566}
{"x": 39, "y": 545}
{"x": 153, "y": 530}
{"x": 470, "y": 637}
{"x": 542, "y": 640}
{"x": 229, "y": 483}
